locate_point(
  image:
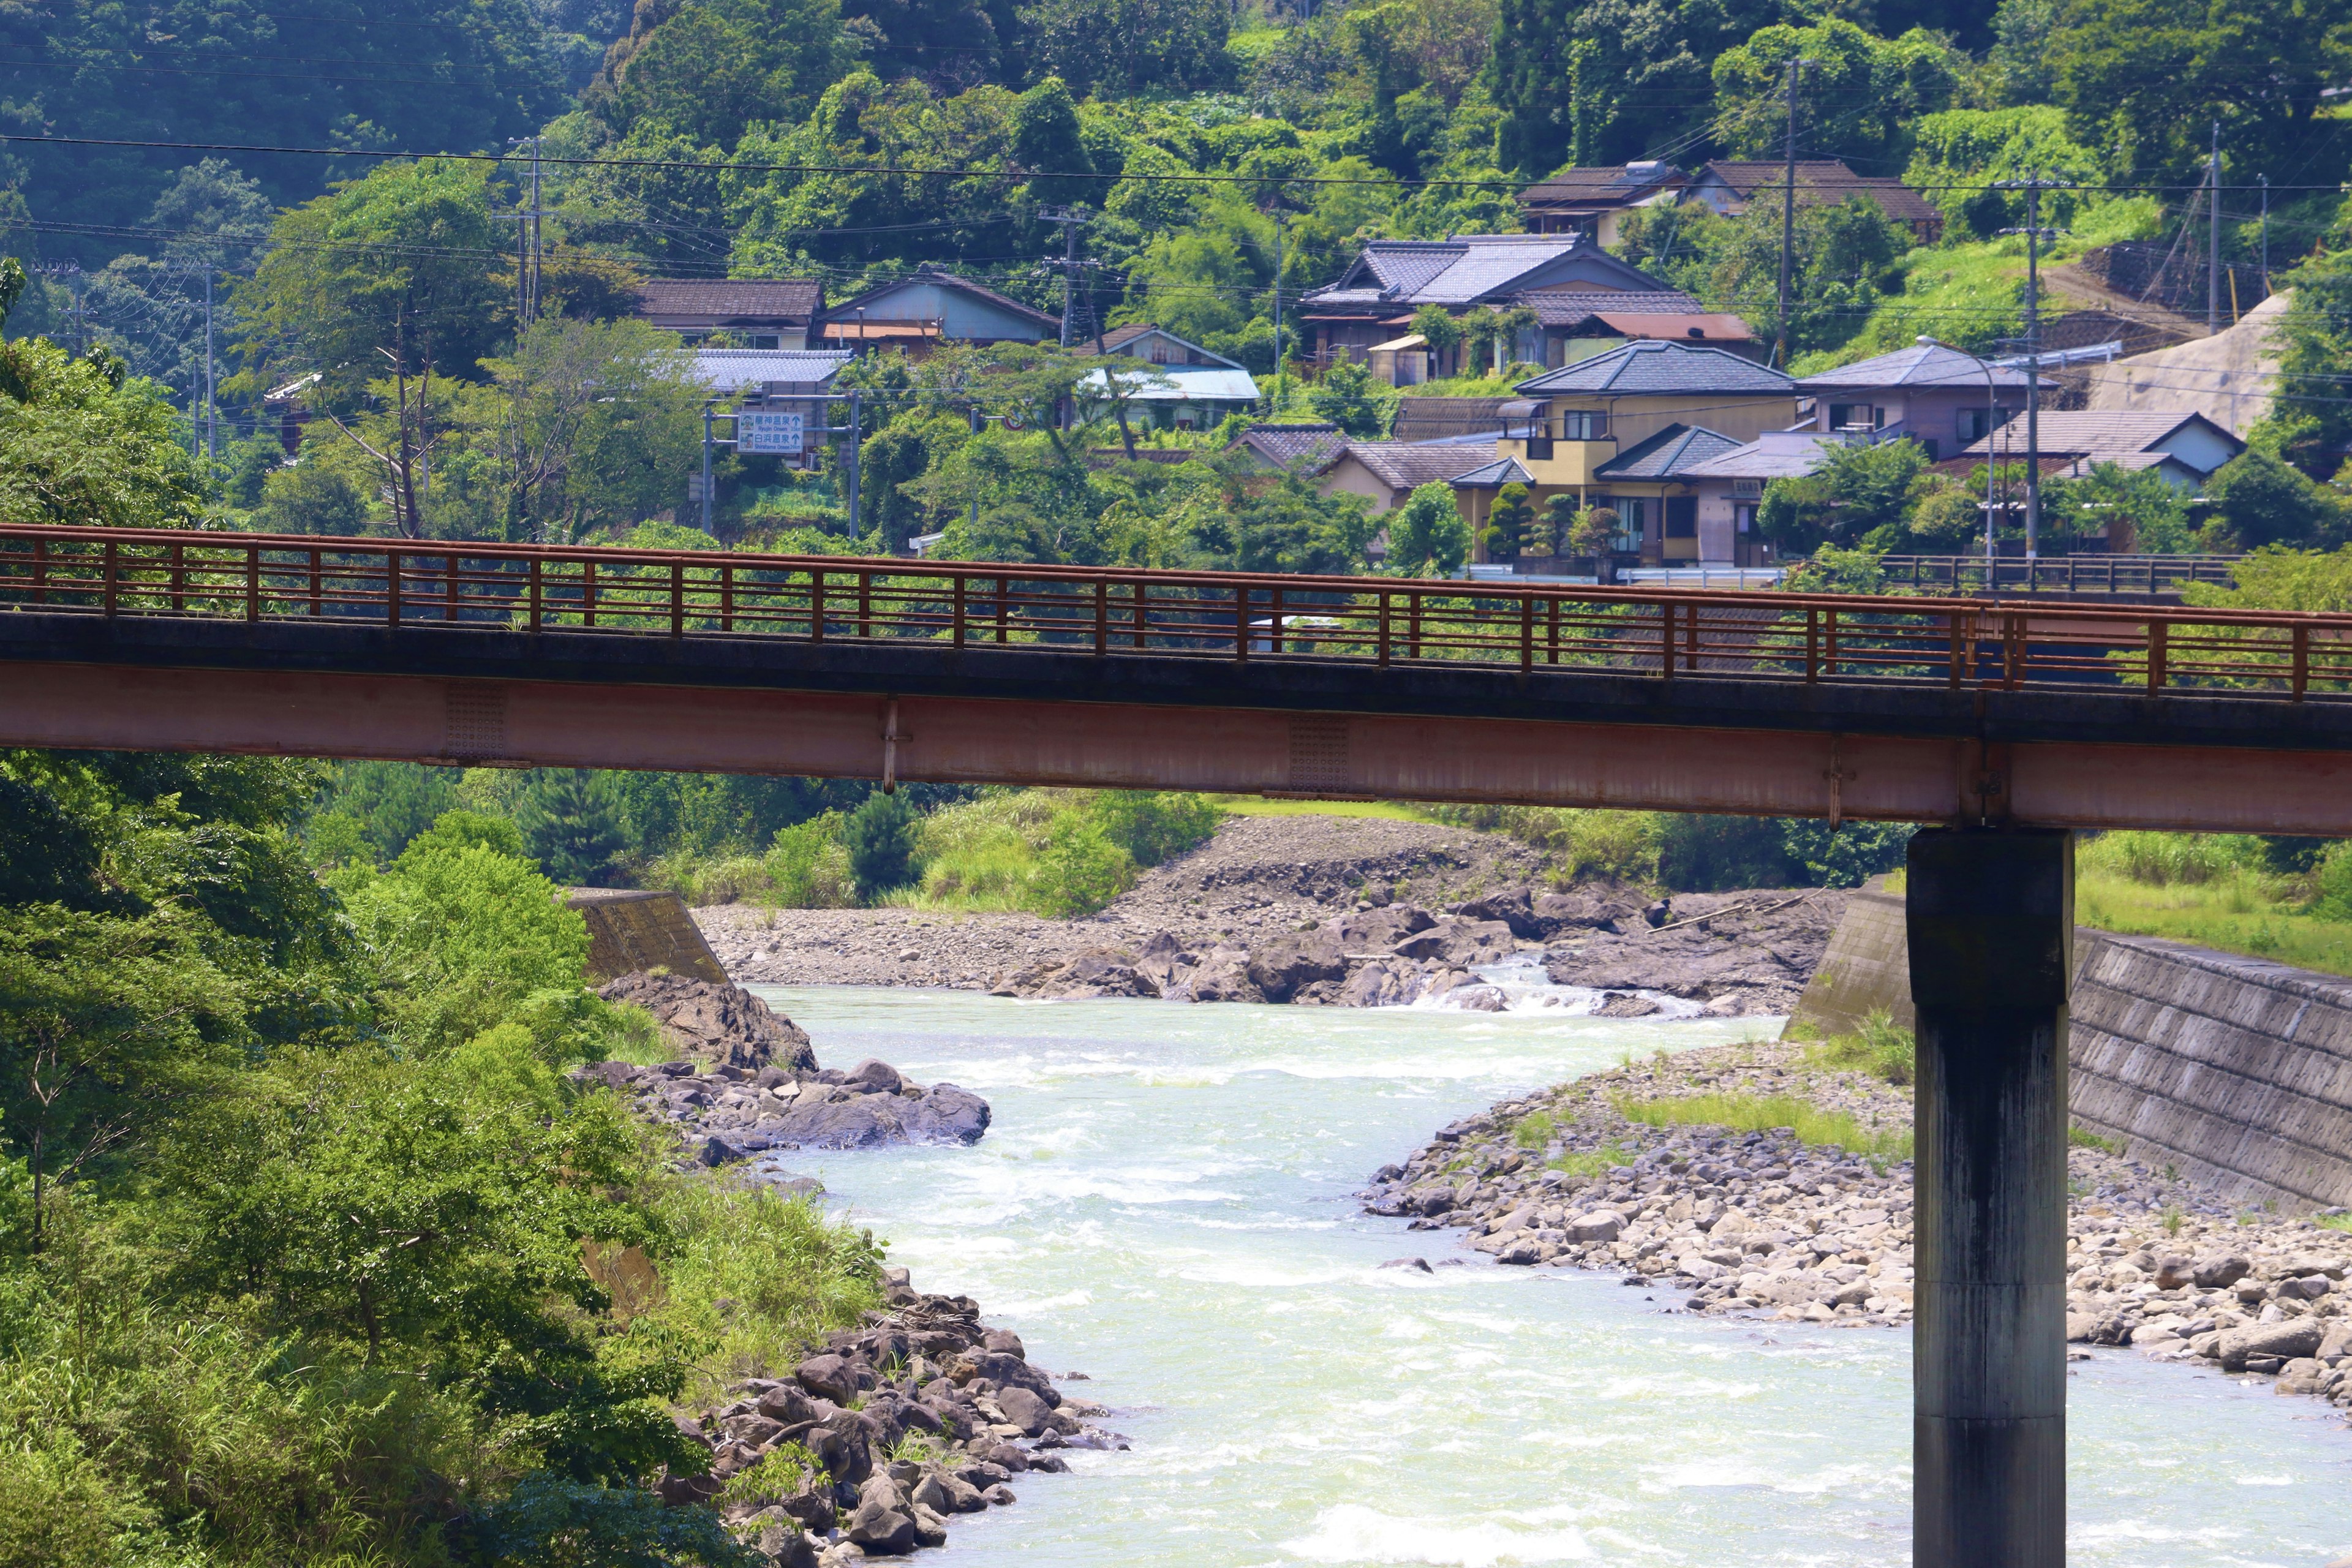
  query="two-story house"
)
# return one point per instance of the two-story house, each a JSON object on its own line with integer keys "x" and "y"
{"x": 1617, "y": 431}
{"x": 1595, "y": 201}
{"x": 1937, "y": 397}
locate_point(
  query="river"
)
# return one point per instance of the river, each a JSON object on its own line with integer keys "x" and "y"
{"x": 1163, "y": 1203}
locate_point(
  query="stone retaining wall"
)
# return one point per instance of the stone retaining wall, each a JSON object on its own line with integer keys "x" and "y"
{"x": 630, "y": 929}
{"x": 2235, "y": 1070}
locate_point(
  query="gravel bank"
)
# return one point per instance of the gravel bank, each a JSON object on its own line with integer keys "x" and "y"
{"x": 1716, "y": 1220}
{"x": 1348, "y": 911}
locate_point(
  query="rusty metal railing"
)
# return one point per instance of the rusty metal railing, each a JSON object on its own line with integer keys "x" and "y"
{"x": 1520, "y": 625}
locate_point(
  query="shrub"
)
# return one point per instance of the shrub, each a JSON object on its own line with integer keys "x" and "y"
{"x": 2334, "y": 878}
{"x": 1080, "y": 871}
{"x": 552, "y": 1522}
{"x": 1880, "y": 1046}
{"x": 880, "y": 838}
{"x": 2162, "y": 859}
{"x": 1153, "y": 825}
{"x": 808, "y": 863}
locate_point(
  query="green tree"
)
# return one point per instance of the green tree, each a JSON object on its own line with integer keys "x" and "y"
{"x": 2262, "y": 500}
{"x": 1047, "y": 148}
{"x": 1118, "y": 49}
{"x": 2312, "y": 423}
{"x": 1552, "y": 88}
{"x": 1859, "y": 95}
{"x": 707, "y": 71}
{"x": 1348, "y": 397}
{"x": 1439, "y": 328}
{"x": 1857, "y": 493}
{"x": 572, "y": 820}
{"x": 2157, "y": 512}
{"x": 880, "y": 837}
{"x": 1427, "y": 537}
{"x": 1508, "y": 522}
{"x": 311, "y": 497}
{"x": 1080, "y": 870}
{"x": 2143, "y": 79}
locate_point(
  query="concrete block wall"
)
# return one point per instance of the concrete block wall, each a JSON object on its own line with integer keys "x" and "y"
{"x": 2236, "y": 1070}
{"x": 630, "y": 929}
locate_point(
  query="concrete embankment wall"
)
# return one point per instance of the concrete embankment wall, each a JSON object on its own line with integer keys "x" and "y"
{"x": 2236, "y": 1070}
{"x": 630, "y": 929}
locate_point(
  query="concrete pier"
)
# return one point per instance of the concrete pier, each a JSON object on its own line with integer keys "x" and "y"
{"x": 1990, "y": 917}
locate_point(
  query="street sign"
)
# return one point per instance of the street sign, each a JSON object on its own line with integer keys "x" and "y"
{"x": 770, "y": 432}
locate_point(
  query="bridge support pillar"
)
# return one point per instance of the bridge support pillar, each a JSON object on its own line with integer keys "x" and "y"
{"x": 1991, "y": 918}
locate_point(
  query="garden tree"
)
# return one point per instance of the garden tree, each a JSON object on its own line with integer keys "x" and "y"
{"x": 2260, "y": 500}
{"x": 1427, "y": 537}
{"x": 1239, "y": 523}
{"x": 1116, "y": 48}
{"x": 83, "y": 444}
{"x": 1948, "y": 519}
{"x": 1348, "y": 397}
{"x": 1440, "y": 328}
{"x": 384, "y": 290}
{"x": 1858, "y": 494}
{"x": 2157, "y": 512}
{"x": 412, "y": 73}
{"x": 1595, "y": 532}
{"x": 880, "y": 838}
{"x": 1488, "y": 335}
{"x": 572, "y": 820}
{"x": 2143, "y": 81}
{"x": 1508, "y": 522}
{"x": 708, "y": 69}
{"x": 1556, "y": 531}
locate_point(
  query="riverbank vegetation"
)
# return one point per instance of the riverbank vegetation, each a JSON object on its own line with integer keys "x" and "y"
{"x": 2282, "y": 899}
{"x": 310, "y": 1250}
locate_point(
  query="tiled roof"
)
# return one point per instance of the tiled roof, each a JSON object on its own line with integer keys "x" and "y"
{"x": 930, "y": 274}
{"x": 1669, "y": 454}
{"x": 1661, "y": 367}
{"x": 1182, "y": 384}
{"x": 1403, "y": 465}
{"x": 1922, "y": 364}
{"x": 2099, "y": 434}
{"x": 732, "y": 299}
{"x": 1463, "y": 271}
{"x": 1700, "y": 326}
{"x": 1782, "y": 454}
{"x": 1119, "y": 338}
{"x": 1826, "y": 179}
{"x": 1314, "y": 444}
{"x": 732, "y": 370}
{"x": 1611, "y": 184}
{"x": 1495, "y": 475}
{"x": 1565, "y": 306}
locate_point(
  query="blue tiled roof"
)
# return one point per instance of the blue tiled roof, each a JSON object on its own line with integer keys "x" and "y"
{"x": 1505, "y": 472}
{"x": 1667, "y": 454}
{"x": 1661, "y": 367}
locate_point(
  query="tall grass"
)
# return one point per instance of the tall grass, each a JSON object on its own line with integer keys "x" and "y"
{"x": 1621, "y": 846}
{"x": 1879, "y": 1046}
{"x": 2216, "y": 891}
{"x": 1764, "y": 1113}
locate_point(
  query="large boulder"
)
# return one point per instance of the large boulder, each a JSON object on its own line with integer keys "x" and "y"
{"x": 723, "y": 1025}
{"x": 1378, "y": 931}
{"x": 855, "y": 1116}
{"x": 1222, "y": 976}
{"x": 1098, "y": 971}
{"x": 1461, "y": 943}
{"x": 1512, "y": 906}
{"x": 2288, "y": 1340}
{"x": 1287, "y": 964}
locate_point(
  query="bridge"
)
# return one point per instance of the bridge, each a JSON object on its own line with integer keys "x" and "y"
{"x": 2004, "y": 723}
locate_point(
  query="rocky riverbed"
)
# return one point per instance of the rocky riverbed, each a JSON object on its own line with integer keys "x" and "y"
{"x": 1712, "y": 1220}
{"x": 872, "y": 1445}
{"x": 1340, "y": 912}
{"x": 747, "y": 1081}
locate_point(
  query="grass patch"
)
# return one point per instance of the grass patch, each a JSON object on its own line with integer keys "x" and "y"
{"x": 1534, "y": 1130}
{"x": 1764, "y": 1113}
{"x": 2237, "y": 912}
{"x": 1881, "y": 1048}
{"x": 1594, "y": 1162}
{"x": 1259, "y": 806}
{"x": 2084, "y": 1138}
{"x": 2335, "y": 1221}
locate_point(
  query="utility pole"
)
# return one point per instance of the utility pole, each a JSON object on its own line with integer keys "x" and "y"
{"x": 2265, "y": 180}
{"x": 212, "y": 406}
{"x": 703, "y": 489}
{"x": 1280, "y": 233}
{"x": 527, "y": 243}
{"x": 1070, "y": 219}
{"x": 853, "y": 525}
{"x": 2214, "y": 237}
{"x": 1788, "y": 215}
{"x": 2034, "y": 235}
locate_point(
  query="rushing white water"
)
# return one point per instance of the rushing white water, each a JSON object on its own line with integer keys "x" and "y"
{"x": 1164, "y": 1203}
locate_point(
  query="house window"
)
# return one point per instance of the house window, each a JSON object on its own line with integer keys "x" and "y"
{"x": 1973, "y": 424}
{"x": 1743, "y": 518}
{"x": 1682, "y": 517}
{"x": 1159, "y": 353}
{"x": 766, "y": 340}
{"x": 1633, "y": 519}
{"x": 1856, "y": 416}
{"x": 1747, "y": 486}
{"x": 1583, "y": 424}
